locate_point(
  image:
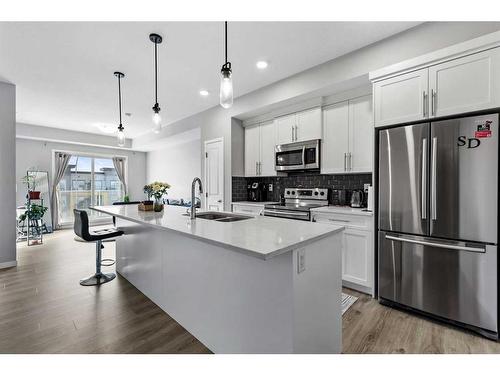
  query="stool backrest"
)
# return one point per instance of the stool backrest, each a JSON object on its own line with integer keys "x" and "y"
{"x": 81, "y": 224}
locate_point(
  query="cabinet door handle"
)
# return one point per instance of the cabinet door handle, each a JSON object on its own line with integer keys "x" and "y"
{"x": 260, "y": 168}
{"x": 293, "y": 139}
{"x": 424, "y": 103}
{"x": 433, "y": 102}
{"x": 345, "y": 162}
{"x": 296, "y": 132}
{"x": 256, "y": 169}
{"x": 350, "y": 161}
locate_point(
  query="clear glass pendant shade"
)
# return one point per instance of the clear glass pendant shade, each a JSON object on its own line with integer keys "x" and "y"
{"x": 121, "y": 138}
{"x": 226, "y": 90}
{"x": 157, "y": 123}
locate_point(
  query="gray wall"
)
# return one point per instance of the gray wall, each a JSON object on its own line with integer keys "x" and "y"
{"x": 176, "y": 164}
{"x": 38, "y": 154}
{"x": 7, "y": 180}
{"x": 216, "y": 122}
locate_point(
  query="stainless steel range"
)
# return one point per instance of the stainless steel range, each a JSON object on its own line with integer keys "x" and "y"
{"x": 298, "y": 203}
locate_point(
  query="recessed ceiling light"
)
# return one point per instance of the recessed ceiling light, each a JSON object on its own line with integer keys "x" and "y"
{"x": 262, "y": 64}
{"x": 204, "y": 93}
{"x": 106, "y": 128}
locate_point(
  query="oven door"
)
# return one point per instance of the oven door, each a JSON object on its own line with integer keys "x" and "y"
{"x": 287, "y": 214}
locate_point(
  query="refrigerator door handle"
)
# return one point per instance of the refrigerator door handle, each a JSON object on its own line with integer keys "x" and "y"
{"x": 433, "y": 179}
{"x": 437, "y": 244}
{"x": 423, "y": 204}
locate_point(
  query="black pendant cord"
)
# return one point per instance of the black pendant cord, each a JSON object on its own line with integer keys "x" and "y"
{"x": 156, "y": 74}
{"x": 120, "y": 101}
{"x": 225, "y": 37}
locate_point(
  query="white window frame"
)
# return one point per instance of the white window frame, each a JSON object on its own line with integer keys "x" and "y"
{"x": 93, "y": 155}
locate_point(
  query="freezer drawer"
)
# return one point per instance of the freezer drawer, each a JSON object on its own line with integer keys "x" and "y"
{"x": 450, "y": 279}
{"x": 464, "y": 179}
{"x": 403, "y": 179}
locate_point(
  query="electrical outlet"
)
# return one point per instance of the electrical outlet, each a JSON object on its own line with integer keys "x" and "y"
{"x": 270, "y": 187}
{"x": 301, "y": 260}
{"x": 366, "y": 186}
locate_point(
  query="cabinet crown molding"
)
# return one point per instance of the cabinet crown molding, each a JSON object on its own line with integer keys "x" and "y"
{"x": 458, "y": 50}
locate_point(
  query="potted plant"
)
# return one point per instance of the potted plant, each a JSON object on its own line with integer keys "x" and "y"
{"x": 30, "y": 182}
{"x": 157, "y": 190}
{"x": 36, "y": 212}
{"x": 149, "y": 192}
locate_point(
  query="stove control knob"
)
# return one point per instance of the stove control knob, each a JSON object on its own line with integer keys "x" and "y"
{"x": 322, "y": 193}
{"x": 316, "y": 193}
{"x": 288, "y": 192}
{"x": 293, "y": 192}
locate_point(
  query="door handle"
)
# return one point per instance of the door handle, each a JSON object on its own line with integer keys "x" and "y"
{"x": 260, "y": 168}
{"x": 296, "y": 132}
{"x": 423, "y": 196}
{"x": 293, "y": 135}
{"x": 350, "y": 161}
{"x": 256, "y": 168}
{"x": 437, "y": 244}
{"x": 433, "y": 179}
{"x": 345, "y": 161}
{"x": 219, "y": 201}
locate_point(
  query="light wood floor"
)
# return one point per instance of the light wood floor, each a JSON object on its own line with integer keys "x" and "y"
{"x": 43, "y": 309}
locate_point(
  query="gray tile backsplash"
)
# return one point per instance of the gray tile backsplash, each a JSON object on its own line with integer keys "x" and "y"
{"x": 305, "y": 180}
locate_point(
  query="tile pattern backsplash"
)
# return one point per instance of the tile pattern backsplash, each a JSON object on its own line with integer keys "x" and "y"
{"x": 305, "y": 180}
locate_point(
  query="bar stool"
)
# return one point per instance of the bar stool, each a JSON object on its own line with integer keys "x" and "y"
{"x": 81, "y": 227}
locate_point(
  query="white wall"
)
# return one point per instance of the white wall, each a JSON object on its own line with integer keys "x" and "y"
{"x": 216, "y": 122}
{"x": 176, "y": 164}
{"x": 7, "y": 167}
{"x": 38, "y": 154}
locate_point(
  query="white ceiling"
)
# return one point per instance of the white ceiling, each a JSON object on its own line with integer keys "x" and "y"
{"x": 64, "y": 71}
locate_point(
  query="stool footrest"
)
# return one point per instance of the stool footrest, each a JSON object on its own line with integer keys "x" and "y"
{"x": 107, "y": 262}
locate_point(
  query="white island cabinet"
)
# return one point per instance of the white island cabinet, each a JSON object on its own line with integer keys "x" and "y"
{"x": 261, "y": 285}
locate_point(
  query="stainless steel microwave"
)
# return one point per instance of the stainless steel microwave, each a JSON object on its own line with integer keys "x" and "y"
{"x": 297, "y": 156}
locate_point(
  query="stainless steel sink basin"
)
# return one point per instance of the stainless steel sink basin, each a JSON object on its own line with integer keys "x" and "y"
{"x": 221, "y": 217}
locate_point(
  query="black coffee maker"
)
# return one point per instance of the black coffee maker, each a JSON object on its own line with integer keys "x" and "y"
{"x": 256, "y": 192}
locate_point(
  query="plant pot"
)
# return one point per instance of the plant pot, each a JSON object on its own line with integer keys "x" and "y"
{"x": 34, "y": 194}
{"x": 158, "y": 207}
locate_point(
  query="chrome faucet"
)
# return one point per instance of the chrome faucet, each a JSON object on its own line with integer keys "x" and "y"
{"x": 193, "y": 197}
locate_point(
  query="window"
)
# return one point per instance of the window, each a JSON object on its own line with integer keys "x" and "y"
{"x": 88, "y": 181}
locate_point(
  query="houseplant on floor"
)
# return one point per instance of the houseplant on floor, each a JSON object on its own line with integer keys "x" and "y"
{"x": 157, "y": 190}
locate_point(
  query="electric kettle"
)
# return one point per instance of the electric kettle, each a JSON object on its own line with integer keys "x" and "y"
{"x": 357, "y": 198}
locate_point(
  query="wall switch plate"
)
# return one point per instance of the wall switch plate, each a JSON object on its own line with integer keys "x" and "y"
{"x": 301, "y": 260}
{"x": 270, "y": 187}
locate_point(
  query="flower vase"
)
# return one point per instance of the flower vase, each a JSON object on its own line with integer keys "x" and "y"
{"x": 158, "y": 206}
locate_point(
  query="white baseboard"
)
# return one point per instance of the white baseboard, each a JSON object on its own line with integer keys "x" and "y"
{"x": 8, "y": 264}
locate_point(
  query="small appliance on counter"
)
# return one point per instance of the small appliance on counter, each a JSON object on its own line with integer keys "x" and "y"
{"x": 339, "y": 197}
{"x": 256, "y": 192}
{"x": 357, "y": 198}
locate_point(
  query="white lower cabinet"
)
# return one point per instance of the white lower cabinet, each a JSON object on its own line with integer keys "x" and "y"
{"x": 357, "y": 248}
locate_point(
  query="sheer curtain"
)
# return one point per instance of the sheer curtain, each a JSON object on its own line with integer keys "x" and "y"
{"x": 60, "y": 164}
{"x": 119, "y": 164}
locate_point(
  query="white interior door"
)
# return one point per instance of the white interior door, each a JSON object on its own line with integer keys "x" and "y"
{"x": 214, "y": 175}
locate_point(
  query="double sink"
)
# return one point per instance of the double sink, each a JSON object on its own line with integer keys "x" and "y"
{"x": 222, "y": 217}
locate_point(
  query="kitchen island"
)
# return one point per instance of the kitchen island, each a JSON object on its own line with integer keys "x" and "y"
{"x": 260, "y": 285}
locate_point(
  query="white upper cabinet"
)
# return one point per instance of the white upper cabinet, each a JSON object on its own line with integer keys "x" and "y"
{"x": 299, "y": 127}
{"x": 402, "y": 98}
{"x": 348, "y": 137}
{"x": 267, "y": 144}
{"x": 464, "y": 84}
{"x": 285, "y": 128}
{"x": 308, "y": 125}
{"x": 361, "y": 133}
{"x": 335, "y": 147}
{"x": 252, "y": 150}
{"x": 259, "y": 150}
{"x": 467, "y": 84}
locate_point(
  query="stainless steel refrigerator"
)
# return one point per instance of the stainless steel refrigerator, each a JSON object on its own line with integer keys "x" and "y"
{"x": 437, "y": 219}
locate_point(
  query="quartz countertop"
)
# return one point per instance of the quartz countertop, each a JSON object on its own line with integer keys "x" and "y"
{"x": 262, "y": 237}
{"x": 250, "y": 203}
{"x": 343, "y": 210}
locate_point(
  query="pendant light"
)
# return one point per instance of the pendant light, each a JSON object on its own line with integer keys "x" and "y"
{"x": 121, "y": 132}
{"x": 156, "y": 39}
{"x": 226, "y": 82}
